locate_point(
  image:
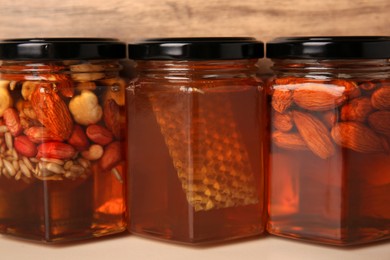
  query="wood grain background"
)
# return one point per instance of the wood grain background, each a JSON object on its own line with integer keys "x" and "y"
{"x": 135, "y": 19}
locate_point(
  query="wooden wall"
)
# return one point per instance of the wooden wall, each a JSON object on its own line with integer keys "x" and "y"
{"x": 134, "y": 19}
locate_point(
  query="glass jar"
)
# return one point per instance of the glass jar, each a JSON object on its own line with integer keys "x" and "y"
{"x": 329, "y": 174}
{"x": 62, "y": 121}
{"x": 195, "y": 153}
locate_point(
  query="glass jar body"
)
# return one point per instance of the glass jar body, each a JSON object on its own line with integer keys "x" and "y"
{"x": 329, "y": 167}
{"x": 62, "y": 144}
{"x": 196, "y": 151}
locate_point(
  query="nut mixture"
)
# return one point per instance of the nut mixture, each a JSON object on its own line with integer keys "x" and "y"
{"x": 319, "y": 116}
{"x": 61, "y": 126}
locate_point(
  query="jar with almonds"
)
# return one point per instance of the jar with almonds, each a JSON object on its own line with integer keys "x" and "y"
{"x": 195, "y": 140}
{"x": 329, "y": 114}
{"x": 62, "y": 138}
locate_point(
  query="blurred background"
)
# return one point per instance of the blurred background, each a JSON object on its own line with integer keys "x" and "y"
{"x": 131, "y": 20}
{"x": 135, "y": 19}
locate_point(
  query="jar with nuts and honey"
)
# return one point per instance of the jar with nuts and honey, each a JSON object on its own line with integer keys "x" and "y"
{"x": 195, "y": 153}
{"x": 329, "y": 130}
{"x": 62, "y": 138}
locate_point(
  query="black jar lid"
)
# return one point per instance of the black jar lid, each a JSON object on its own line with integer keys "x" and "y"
{"x": 207, "y": 48}
{"x": 62, "y": 49}
{"x": 353, "y": 47}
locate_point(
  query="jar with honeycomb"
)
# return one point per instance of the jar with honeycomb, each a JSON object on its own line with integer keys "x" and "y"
{"x": 329, "y": 175}
{"x": 195, "y": 148}
{"x": 62, "y": 138}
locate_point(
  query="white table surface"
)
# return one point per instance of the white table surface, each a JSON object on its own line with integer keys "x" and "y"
{"x": 133, "y": 247}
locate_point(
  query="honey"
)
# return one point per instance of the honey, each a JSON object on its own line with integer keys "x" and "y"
{"x": 195, "y": 148}
{"x": 62, "y": 143}
{"x": 329, "y": 155}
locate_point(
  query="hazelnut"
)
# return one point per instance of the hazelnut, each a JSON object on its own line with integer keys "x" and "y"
{"x": 85, "y": 108}
{"x": 5, "y": 100}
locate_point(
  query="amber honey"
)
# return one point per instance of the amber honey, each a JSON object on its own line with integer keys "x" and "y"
{"x": 195, "y": 149}
{"x": 307, "y": 200}
{"x": 167, "y": 197}
{"x": 329, "y": 152}
{"x": 62, "y": 145}
{"x": 328, "y": 182}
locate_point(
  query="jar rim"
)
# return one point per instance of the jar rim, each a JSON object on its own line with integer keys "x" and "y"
{"x": 329, "y": 47}
{"x": 200, "y": 48}
{"x": 62, "y": 49}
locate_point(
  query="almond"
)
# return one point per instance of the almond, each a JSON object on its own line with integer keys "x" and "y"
{"x": 380, "y": 98}
{"x": 112, "y": 117}
{"x": 52, "y": 111}
{"x": 288, "y": 81}
{"x": 357, "y": 110}
{"x": 296, "y": 80}
{"x": 24, "y": 146}
{"x": 314, "y": 133}
{"x": 380, "y": 122}
{"x": 318, "y": 97}
{"x": 111, "y": 157}
{"x": 281, "y": 99}
{"x": 99, "y": 134}
{"x": 329, "y": 118}
{"x": 358, "y": 137}
{"x": 350, "y": 88}
{"x": 78, "y": 139}
{"x": 12, "y": 121}
{"x": 116, "y": 88}
{"x": 40, "y": 134}
{"x": 64, "y": 85}
{"x": 290, "y": 141}
{"x": 369, "y": 85}
{"x": 283, "y": 122}
{"x": 56, "y": 150}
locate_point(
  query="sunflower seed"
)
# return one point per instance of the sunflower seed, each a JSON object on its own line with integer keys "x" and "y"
{"x": 53, "y": 160}
{"x": 34, "y": 160}
{"x": 2, "y": 149}
{"x": 10, "y": 168}
{"x": 18, "y": 175}
{"x": 3, "y": 129}
{"x": 70, "y": 175}
{"x": 24, "y": 169}
{"x": 8, "y": 140}
{"x": 85, "y": 163}
{"x": 16, "y": 165}
{"x": 28, "y": 163}
{"x": 117, "y": 175}
{"x": 45, "y": 173}
{"x": 77, "y": 169}
{"x": 15, "y": 154}
{"x": 55, "y": 168}
{"x": 9, "y": 153}
{"x": 68, "y": 164}
{"x": 5, "y": 173}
